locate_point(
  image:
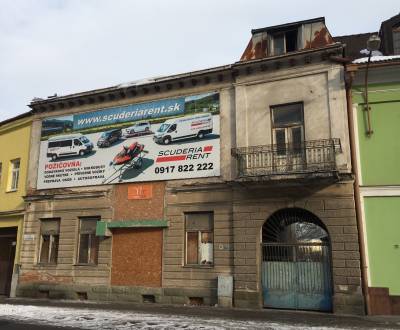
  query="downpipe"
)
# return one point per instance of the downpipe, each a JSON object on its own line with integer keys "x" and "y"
{"x": 357, "y": 196}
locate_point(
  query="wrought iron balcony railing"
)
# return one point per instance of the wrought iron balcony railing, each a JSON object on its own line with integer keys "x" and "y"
{"x": 316, "y": 156}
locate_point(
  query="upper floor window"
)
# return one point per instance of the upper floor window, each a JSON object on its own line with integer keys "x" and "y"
{"x": 288, "y": 127}
{"x": 49, "y": 238}
{"x": 284, "y": 42}
{"x": 396, "y": 40}
{"x": 199, "y": 230}
{"x": 88, "y": 245}
{"x": 14, "y": 175}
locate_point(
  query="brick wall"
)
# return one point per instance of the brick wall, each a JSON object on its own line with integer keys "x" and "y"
{"x": 140, "y": 209}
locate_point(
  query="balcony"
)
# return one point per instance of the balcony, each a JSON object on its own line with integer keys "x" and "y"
{"x": 309, "y": 159}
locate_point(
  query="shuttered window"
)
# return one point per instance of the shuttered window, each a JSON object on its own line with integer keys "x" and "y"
{"x": 199, "y": 232}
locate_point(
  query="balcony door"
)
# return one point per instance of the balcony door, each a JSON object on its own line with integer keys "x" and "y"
{"x": 288, "y": 137}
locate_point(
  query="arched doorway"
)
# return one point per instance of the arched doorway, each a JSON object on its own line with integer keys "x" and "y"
{"x": 296, "y": 262}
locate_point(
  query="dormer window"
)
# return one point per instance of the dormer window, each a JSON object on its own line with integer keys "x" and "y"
{"x": 284, "y": 42}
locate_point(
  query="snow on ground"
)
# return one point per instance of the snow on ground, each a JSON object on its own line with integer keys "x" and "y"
{"x": 106, "y": 319}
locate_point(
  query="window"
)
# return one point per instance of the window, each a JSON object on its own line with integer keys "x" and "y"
{"x": 49, "y": 238}
{"x": 66, "y": 143}
{"x": 1, "y": 170}
{"x": 55, "y": 144}
{"x": 88, "y": 245}
{"x": 172, "y": 128}
{"x": 396, "y": 40}
{"x": 288, "y": 128}
{"x": 14, "y": 174}
{"x": 77, "y": 142}
{"x": 199, "y": 232}
{"x": 285, "y": 42}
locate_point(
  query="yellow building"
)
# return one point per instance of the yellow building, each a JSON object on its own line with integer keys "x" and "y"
{"x": 15, "y": 134}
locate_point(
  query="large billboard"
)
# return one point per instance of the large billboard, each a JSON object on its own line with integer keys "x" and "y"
{"x": 161, "y": 140}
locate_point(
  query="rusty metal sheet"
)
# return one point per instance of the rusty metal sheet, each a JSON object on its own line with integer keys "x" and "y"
{"x": 256, "y": 48}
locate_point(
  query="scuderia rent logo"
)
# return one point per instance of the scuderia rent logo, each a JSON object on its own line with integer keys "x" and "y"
{"x": 180, "y": 154}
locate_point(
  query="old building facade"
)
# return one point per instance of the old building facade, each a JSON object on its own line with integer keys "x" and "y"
{"x": 273, "y": 222}
{"x": 13, "y": 175}
{"x": 374, "y": 106}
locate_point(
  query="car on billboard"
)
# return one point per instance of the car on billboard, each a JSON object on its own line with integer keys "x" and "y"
{"x": 109, "y": 137}
{"x": 139, "y": 128}
{"x": 195, "y": 126}
{"x": 68, "y": 145}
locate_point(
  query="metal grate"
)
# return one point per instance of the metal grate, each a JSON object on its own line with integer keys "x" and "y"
{"x": 296, "y": 266}
{"x": 304, "y": 157}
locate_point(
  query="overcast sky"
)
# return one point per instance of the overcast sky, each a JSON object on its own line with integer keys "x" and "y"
{"x": 63, "y": 47}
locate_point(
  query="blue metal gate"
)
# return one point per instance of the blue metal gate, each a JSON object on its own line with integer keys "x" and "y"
{"x": 297, "y": 276}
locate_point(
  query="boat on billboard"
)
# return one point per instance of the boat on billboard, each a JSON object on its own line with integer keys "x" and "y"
{"x": 160, "y": 140}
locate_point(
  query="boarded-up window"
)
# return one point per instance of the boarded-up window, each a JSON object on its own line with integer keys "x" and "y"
{"x": 199, "y": 238}
{"x": 88, "y": 241}
{"x": 49, "y": 239}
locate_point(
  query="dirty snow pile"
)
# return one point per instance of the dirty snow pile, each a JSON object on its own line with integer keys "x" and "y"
{"x": 377, "y": 59}
{"x": 103, "y": 319}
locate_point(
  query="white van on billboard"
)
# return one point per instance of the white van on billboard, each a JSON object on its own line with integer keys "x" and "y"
{"x": 196, "y": 126}
{"x": 68, "y": 145}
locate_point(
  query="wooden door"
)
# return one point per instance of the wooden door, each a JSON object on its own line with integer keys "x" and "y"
{"x": 8, "y": 241}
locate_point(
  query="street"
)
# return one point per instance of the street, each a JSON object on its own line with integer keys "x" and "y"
{"x": 40, "y": 315}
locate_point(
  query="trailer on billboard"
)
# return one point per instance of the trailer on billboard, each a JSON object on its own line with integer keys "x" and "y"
{"x": 162, "y": 140}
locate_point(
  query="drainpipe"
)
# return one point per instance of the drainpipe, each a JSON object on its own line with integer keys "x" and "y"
{"x": 367, "y": 107}
{"x": 357, "y": 197}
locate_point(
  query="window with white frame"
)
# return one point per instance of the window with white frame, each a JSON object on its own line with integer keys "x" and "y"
{"x": 49, "y": 239}
{"x": 199, "y": 238}
{"x": 88, "y": 244}
{"x": 14, "y": 174}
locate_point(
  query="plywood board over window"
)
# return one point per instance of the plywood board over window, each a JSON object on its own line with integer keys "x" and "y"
{"x": 137, "y": 257}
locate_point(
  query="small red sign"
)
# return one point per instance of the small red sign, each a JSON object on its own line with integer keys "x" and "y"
{"x": 140, "y": 191}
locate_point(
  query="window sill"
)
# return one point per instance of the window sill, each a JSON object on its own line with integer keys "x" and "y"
{"x": 45, "y": 265}
{"x": 199, "y": 266}
{"x": 85, "y": 265}
{"x": 11, "y": 190}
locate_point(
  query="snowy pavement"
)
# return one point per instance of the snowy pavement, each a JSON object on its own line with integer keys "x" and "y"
{"x": 85, "y": 318}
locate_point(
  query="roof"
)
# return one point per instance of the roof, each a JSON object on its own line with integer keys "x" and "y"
{"x": 135, "y": 83}
{"x": 65, "y": 137}
{"x": 374, "y": 59}
{"x": 288, "y": 25}
{"x": 354, "y": 43}
{"x": 21, "y": 116}
{"x": 386, "y": 34}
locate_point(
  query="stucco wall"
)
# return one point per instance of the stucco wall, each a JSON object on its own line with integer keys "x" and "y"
{"x": 319, "y": 87}
{"x": 68, "y": 209}
{"x": 382, "y": 229}
{"x": 379, "y": 156}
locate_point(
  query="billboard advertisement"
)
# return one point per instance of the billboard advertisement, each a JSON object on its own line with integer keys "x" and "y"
{"x": 168, "y": 139}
